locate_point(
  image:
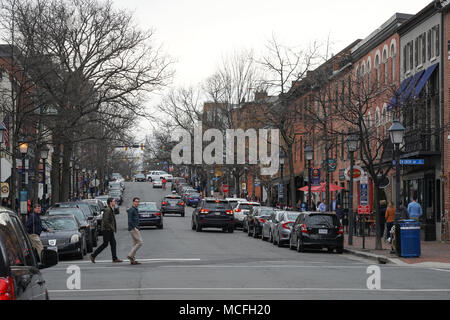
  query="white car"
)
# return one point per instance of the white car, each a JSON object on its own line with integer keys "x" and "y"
{"x": 241, "y": 210}
{"x": 234, "y": 201}
{"x": 157, "y": 184}
{"x": 158, "y": 175}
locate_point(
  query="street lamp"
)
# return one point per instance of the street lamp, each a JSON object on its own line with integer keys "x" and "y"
{"x": 77, "y": 167}
{"x": 282, "y": 157}
{"x": 23, "y": 149}
{"x": 309, "y": 154}
{"x": 44, "y": 157}
{"x": 352, "y": 142}
{"x": 397, "y": 131}
{"x": 2, "y": 140}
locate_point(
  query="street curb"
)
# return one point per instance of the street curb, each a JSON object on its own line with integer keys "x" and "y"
{"x": 378, "y": 258}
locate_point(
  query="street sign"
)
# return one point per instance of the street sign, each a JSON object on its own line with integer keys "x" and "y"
{"x": 5, "y": 190}
{"x": 332, "y": 163}
{"x": 412, "y": 161}
{"x": 363, "y": 210}
{"x": 244, "y": 186}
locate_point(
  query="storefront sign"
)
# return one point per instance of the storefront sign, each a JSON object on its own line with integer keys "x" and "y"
{"x": 357, "y": 173}
{"x": 315, "y": 177}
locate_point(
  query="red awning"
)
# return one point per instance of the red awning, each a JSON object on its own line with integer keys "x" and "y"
{"x": 321, "y": 188}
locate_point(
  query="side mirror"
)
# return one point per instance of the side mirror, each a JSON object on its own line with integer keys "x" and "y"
{"x": 49, "y": 258}
{"x": 91, "y": 218}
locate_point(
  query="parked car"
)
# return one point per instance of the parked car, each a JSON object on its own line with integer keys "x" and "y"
{"x": 149, "y": 215}
{"x": 172, "y": 204}
{"x": 116, "y": 195}
{"x": 180, "y": 186}
{"x": 157, "y": 184}
{"x": 140, "y": 177}
{"x": 234, "y": 201}
{"x": 176, "y": 181}
{"x": 255, "y": 220}
{"x": 82, "y": 219}
{"x": 241, "y": 210}
{"x": 270, "y": 225}
{"x": 66, "y": 235}
{"x": 282, "y": 232}
{"x": 20, "y": 278}
{"x": 317, "y": 230}
{"x": 213, "y": 213}
{"x": 99, "y": 208}
{"x": 185, "y": 193}
{"x": 193, "y": 199}
{"x": 91, "y": 217}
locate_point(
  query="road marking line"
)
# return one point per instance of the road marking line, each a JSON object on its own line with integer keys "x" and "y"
{"x": 110, "y": 261}
{"x": 440, "y": 269}
{"x": 250, "y": 289}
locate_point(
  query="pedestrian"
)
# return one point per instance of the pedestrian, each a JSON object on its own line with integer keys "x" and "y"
{"x": 133, "y": 228}
{"x": 312, "y": 206}
{"x": 403, "y": 214}
{"x": 34, "y": 228}
{"x": 299, "y": 205}
{"x": 322, "y": 207}
{"x": 383, "y": 208}
{"x": 390, "y": 218}
{"x": 345, "y": 219}
{"x": 414, "y": 209}
{"x": 109, "y": 227}
{"x": 339, "y": 212}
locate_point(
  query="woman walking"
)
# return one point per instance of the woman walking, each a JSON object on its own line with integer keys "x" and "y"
{"x": 390, "y": 218}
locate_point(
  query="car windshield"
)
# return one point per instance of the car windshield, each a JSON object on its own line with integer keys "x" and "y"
{"x": 321, "y": 220}
{"x": 74, "y": 211}
{"x": 59, "y": 223}
{"x": 150, "y": 206}
{"x": 246, "y": 206}
{"x": 264, "y": 212}
{"x": 194, "y": 195}
{"x": 292, "y": 216}
{"x": 114, "y": 186}
{"x": 214, "y": 205}
{"x": 86, "y": 208}
{"x": 140, "y": 176}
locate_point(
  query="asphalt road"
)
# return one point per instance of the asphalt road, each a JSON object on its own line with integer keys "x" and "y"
{"x": 179, "y": 263}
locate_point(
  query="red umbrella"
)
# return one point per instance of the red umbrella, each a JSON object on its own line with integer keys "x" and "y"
{"x": 313, "y": 188}
{"x": 333, "y": 187}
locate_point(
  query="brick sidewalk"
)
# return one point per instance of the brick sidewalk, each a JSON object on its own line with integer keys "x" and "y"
{"x": 430, "y": 251}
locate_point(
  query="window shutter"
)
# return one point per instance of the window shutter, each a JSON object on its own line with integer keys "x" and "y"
{"x": 404, "y": 59}
{"x": 424, "y": 47}
{"x": 416, "y": 52}
{"x": 429, "y": 44}
{"x": 437, "y": 41}
{"x": 411, "y": 55}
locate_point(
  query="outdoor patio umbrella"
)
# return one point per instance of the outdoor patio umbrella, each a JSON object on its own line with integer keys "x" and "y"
{"x": 321, "y": 188}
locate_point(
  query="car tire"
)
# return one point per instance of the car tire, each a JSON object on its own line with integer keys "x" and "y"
{"x": 290, "y": 244}
{"x": 230, "y": 229}
{"x": 90, "y": 247}
{"x": 160, "y": 226}
{"x": 249, "y": 232}
{"x": 274, "y": 242}
{"x": 279, "y": 243}
{"x": 270, "y": 237}
{"x": 262, "y": 237}
{"x": 330, "y": 249}
{"x": 340, "y": 250}
{"x": 300, "y": 246}
{"x": 182, "y": 215}
{"x": 192, "y": 225}
{"x": 80, "y": 255}
{"x": 198, "y": 227}
{"x": 224, "y": 229}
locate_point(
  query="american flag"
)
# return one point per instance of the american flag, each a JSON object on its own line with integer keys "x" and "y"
{"x": 5, "y": 123}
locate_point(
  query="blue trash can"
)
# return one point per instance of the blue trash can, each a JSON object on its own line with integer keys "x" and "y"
{"x": 409, "y": 238}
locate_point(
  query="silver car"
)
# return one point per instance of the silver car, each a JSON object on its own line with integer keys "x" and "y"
{"x": 270, "y": 225}
{"x": 282, "y": 231}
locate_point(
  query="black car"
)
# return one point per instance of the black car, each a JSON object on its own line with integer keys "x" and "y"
{"x": 20, "y": 278}
{"x": 99, "y": 208}
{"x": 80, "y": 216}
{"x": 172, "y": 204}
{"x": 255, "y": 220}
{"x": 65, "y": 236}
{"x": 89, "y": 213}
{"x": 149, "y": 215}
{"x": 213, "y": 213}
{"x": 140, "y": 178}
{"x": 116, "y": 195}
{"x": 317, "y": 230}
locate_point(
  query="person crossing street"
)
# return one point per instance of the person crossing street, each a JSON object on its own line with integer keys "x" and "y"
{"x": 133, "y": 228}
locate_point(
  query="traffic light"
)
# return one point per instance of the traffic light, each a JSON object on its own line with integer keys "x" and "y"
{"x": 142, "y": 147}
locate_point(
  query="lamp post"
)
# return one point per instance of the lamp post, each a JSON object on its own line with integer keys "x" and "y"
{"x": 44, "y": 157}
{"x": 396, "y": 132}
{"x": 309, "y": 154}
{"x": 282, "y": 156}
{"x": 2, "y": 140}
{"x": 23, "y": 148}
{"x": 77, "y": 167}
{"x": 352, "y": 145}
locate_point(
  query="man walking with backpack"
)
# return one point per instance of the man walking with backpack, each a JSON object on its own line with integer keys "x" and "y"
{"x": 133, "y": 228}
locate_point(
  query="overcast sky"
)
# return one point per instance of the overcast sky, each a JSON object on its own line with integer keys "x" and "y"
{"x": 198, "y": 33}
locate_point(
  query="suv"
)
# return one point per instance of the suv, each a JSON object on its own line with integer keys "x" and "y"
{"x": 140, "y": 177}
{"x": 172, "y": 204}
{"x": 158, "y": 175}
{"x": 241, "y": 210}
{"x": 213, "y": 213}
{"x": 317, "y": 230}
{"x": 20, "y": 278}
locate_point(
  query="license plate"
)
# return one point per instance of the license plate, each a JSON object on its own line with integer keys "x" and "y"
{"x": 145, "y": 215}
{"x": 217, "y": 213}
{"x": 53, "y": 248}
{"x": 323, "y": 231}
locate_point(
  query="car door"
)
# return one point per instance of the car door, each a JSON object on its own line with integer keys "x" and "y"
{"x": 37, "y": 281}
{"x": 295, "y": 228}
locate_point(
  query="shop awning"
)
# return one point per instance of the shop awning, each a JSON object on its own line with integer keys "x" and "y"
{"x": 427, "y": 74}
{"x": 399, "y": 93}
{"x": 412, "y": 84}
